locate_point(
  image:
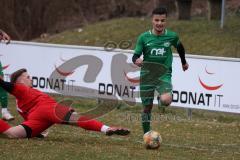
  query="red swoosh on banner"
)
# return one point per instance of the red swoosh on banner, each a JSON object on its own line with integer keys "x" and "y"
{"x": 207, "y": 71}
{"x": 132, "y": 80}
{"x": 63, "y": 73}
{"x": 209, "y": 87}
{"x": 5, "y": 67}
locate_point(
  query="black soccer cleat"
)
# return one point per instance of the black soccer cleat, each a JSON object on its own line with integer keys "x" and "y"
{"x": 117, "y": 131}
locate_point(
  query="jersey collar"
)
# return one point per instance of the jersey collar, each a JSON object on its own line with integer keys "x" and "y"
{"x": 151, "y": 32}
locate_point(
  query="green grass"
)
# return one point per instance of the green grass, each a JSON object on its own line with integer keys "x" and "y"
{"x": 199, "y": 36}
{"x": 209, "y": 135}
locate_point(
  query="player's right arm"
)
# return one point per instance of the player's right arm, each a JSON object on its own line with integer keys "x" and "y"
{"x": 7, "y": 86}
{"x": 18, "y": 90}
{"x": 138, "y": 52}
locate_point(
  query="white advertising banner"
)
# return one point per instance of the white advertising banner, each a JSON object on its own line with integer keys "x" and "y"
{"x": 210, "y": 83}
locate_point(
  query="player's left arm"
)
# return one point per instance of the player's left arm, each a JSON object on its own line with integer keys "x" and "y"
{"x": 181, "y": 52}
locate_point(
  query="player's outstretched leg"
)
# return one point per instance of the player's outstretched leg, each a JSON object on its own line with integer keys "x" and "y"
{"x": 92, "y": 124}
{"x": 12, "y": 132}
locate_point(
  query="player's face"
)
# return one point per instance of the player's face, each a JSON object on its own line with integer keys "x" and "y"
{"x": 25, "y": 79}
{"x": 159, "y": 23}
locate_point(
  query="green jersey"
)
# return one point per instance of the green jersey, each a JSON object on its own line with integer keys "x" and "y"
{"x": 157, "y": 48}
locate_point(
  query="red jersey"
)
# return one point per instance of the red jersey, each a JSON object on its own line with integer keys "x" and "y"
{"x": 29, "y": 98}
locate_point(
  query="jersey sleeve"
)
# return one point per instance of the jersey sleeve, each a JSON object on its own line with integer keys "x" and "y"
{"x": 176, "y": 41}
{"x": 139, "y": 46}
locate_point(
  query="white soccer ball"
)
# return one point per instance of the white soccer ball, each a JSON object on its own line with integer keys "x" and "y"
{"x": 152, "y": 140}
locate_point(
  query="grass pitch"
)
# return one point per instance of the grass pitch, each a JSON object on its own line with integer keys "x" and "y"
{"x": 209, "y": 135}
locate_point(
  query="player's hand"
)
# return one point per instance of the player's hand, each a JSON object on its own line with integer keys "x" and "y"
{"x": 5, "y": 37}
{"x": 139, "y": 62}
{"x": 185, "y": 67}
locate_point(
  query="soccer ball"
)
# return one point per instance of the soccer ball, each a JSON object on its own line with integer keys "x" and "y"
{"x": 152, "y": 140}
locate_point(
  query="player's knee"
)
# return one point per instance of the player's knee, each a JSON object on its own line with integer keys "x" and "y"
{"x": 16, "y": 132}
{"x": 166, "y": 101}
{"x": 12, "y": 135}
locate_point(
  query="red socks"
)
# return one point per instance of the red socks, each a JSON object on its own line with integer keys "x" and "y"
{"x": 4, "y": 126}
{"x": 89, "y": 124}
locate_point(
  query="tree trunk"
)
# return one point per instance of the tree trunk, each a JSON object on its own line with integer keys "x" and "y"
{"x": 184, "y": 9}
{"x": 214, "y": 9}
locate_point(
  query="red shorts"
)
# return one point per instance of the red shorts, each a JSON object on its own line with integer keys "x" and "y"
{"x": 44, "y": 116}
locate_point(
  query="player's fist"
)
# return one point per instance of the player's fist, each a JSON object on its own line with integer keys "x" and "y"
{"x": 5, "y": 37}
{"x": 139, "y": 62}
{"x": 185, "y": 67}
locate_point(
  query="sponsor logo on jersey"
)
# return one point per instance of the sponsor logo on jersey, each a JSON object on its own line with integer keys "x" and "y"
{"x": 159, "y": 51}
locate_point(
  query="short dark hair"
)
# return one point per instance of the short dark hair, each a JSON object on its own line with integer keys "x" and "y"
{"x": 160, "y": 10}
{"x": 16, "y": 74}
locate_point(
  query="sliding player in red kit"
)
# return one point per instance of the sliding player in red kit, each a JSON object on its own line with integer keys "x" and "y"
{"x": 41, "y": 111}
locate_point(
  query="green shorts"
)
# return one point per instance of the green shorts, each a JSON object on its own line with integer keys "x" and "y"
{"x": 149, "y": 83}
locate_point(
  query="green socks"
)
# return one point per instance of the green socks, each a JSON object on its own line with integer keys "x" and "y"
{"x": 3, "y": 98}
{"x": 146, "y": 120}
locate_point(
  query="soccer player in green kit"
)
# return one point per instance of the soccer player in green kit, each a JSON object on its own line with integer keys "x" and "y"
{"x": 3, "y": 94}
{"x": 156, "y": 66}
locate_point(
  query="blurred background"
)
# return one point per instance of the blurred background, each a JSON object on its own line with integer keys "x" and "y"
{"x": 28, "y": 19}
